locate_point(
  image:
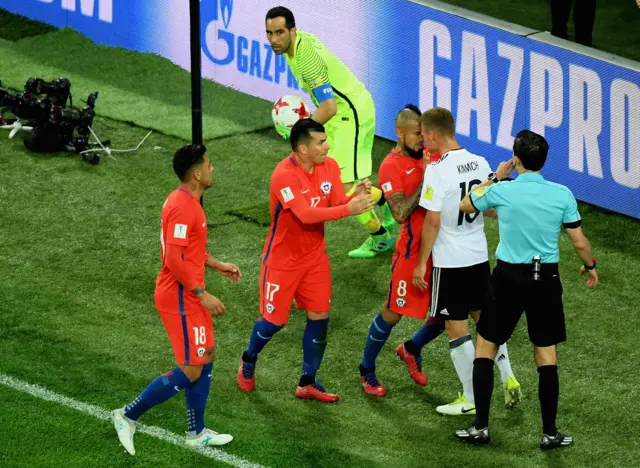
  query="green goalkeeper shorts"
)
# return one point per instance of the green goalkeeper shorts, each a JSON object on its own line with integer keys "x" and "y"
{"x": 350, "y": 137}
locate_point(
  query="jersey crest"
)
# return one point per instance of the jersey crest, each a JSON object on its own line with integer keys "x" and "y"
{"x": 325, "y": 187}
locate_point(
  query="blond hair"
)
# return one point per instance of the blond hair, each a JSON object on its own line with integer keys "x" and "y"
{"x": 439, "y": 120}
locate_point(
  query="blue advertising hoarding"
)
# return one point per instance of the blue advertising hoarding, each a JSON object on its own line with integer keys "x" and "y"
{"x": 495, "y": 82}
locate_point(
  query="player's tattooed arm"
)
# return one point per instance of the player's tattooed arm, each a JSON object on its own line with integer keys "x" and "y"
{"x": 401, "y": 206}
{"x": 198, "y": 291}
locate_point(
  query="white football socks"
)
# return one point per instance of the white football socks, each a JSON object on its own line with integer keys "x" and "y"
{"x": 502, "y": 359}
{"x": 462, "y": 355}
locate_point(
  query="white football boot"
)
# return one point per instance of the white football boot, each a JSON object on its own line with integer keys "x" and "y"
{"x": 459, "y": 406}
{"x": 208, "y": 437}
{"x": 125, "y": 428}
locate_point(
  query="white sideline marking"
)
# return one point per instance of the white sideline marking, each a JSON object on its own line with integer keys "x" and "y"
{"x": 99, "y": 413}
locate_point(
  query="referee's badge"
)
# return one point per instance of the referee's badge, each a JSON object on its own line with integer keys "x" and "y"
{"x": 479, "y": 192}
{"x": 325, "y": 187}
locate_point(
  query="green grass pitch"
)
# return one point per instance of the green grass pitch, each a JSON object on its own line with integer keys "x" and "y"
{"x": 78, "y": 258}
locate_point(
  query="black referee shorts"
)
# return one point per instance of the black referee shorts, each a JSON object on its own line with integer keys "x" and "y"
{"x": 514, "y": 291}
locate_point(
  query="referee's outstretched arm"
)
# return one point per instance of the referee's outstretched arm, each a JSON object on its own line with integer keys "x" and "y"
{"x": 583, "y": 249}
{"x": 466, "y": 204}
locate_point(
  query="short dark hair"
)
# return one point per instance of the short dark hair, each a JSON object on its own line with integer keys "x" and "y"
{"x": 532, "y": 149}
{"x": 186, "y": 157}
{"x": 301, "y": 132}
{"x": 439, "y": 119}
{"x": 413, "y": 108}
{"x": 277, "y": 12}
{"x": 409, "y": 113}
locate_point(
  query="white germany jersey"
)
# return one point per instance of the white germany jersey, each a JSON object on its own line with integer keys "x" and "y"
{"x": 461, "y": 241}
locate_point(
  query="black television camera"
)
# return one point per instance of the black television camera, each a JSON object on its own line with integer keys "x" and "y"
{"x": 52, "y": 122}
{"x": 81, "y": 120}
{"x": 57, "y": 133}
{"x": 28, "y": 106}
{"x": 58, "y": 92}
{"x": 24, "y": 106}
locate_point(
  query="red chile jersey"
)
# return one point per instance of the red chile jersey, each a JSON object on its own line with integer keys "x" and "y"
{"x": 403, "y": 174}
{"x": 183, "y": 223}
{"x": 292, "y": 244}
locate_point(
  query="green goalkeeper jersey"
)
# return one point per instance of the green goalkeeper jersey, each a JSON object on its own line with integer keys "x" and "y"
{"x": 324, "y": 76}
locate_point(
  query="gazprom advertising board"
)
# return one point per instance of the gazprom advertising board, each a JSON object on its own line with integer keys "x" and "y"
{"x": 495, "y": 82}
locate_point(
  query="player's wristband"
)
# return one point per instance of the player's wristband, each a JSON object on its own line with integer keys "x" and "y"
{"x": 592, "y": 267}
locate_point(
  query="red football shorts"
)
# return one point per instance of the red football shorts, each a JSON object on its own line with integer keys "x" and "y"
{"x": 190, "y": 335}
{"x": 310, "y": 287}
{"x": 404, "y": 298}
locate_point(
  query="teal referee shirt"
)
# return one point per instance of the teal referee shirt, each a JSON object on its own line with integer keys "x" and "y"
{"x": 531, "y": 212}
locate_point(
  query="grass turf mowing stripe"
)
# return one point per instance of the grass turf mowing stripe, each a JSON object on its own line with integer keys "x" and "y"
{"x": 142, "y": 88}
{"x": 14, "y": 27}
{"x": 99, "y": 413}
{"x": 117, "y": 103}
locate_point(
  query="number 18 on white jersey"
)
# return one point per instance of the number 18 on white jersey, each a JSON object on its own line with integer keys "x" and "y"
{"x": 461, "y": 241}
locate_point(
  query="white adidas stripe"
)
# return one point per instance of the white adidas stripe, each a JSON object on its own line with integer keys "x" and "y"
{"x": 100, "y": 413}
{"x": 435, "y": 289}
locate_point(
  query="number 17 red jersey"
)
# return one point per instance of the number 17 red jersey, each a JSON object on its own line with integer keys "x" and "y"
{"x": 292, "y": 244}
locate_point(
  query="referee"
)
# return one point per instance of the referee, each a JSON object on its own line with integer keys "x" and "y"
{"x": 531, "y": 212}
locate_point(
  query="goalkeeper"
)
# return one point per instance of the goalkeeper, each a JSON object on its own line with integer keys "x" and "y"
{"x": 344, "y": 107}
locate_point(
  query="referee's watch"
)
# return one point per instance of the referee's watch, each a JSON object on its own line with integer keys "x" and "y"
{"x": 592, "y": 267}
{"x": 493, "y": 177}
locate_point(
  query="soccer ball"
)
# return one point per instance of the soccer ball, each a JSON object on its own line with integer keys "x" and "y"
{"x": 288, "y": 110}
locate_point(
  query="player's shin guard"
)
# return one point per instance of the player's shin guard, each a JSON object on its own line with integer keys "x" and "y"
{"x": 370, "y": 218}
{"x": 379, "y": 332}
{"x": 376, "y": 193}
{"x": 372, "y": 222}
{"x": 160, "y": 390}
{"x": 548, "y": 393}
{"x": 482, "y": 389}
{"x": 197, "y": 395}
{"x": 262, "y": 332}
{"x": 378, "y": 196}
{"x": 314, "y": 342}
{"x": 431, "y": 330}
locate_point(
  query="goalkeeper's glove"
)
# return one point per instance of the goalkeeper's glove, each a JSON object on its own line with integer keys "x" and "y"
{"x": 283, "y": 131}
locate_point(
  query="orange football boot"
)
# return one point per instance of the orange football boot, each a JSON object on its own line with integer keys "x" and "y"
{"x": 315, "y": 391}
{"x": 414, "y": 364}
{"x": 246, "y": 377}
{"x": 371, "y": 384}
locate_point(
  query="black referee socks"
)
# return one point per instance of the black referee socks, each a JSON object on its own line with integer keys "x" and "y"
{"x": 548, "y": 393}
{"x": 482, "y": 390}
